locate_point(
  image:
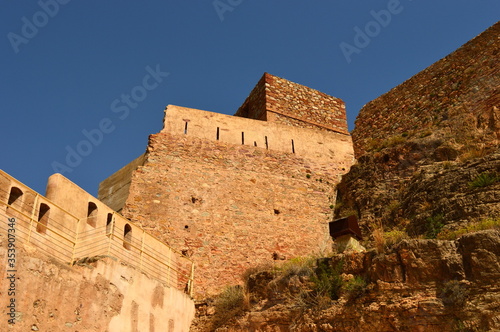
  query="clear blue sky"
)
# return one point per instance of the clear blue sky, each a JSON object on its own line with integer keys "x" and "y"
{"x": 68, "y": 66}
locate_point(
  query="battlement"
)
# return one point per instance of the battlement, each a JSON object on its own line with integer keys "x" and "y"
{"x": 70, "y": 224}
{"x": 275, "y": 99}
{"x": 328, "y": 147}
{"x": 234, "y": 191}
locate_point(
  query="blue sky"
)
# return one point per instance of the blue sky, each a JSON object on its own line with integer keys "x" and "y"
{"x": 94, "y": 77}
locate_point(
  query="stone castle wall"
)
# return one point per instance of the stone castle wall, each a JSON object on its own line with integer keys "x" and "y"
{"x": 229, "y": 207}
{"x": 231, "y": 192}
{"x": 458, "y": 96}
{"x": 332, "y": 149}
{"x": 101, "y": 295}
{"x": 113, "y": 191}
{"x": 69, "y": 226}
{"x": 278, "y": 100}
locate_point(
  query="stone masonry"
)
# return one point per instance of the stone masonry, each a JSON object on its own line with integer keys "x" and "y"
{"x": 457, "y": 96}
{"x": 233, "y": 192}
{"x": 278, "y": 100}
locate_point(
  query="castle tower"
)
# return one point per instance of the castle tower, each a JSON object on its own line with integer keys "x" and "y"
{"x": 233, "y": 192}
{"x": 278, "y": 100}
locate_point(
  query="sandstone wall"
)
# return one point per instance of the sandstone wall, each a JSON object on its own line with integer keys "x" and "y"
{"x": 113, "y": 191}
{"x": 278, "y": 100}
{"x": 231, "y": 206}
{"x": 458, "y": 96}
{"x": 332, "y": 149}
{"x": 255, "y": 106}
{"x": 62, "y": 228}
{"x": 104, "y": 295}
{"x": 235, "y": 191}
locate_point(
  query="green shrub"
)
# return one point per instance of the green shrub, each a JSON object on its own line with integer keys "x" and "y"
{"x": 298, "y": 266}
{"x": 434, "y": 226}
{"x": 393, "y": 237}
{"x": 489, "y": 223}
{"x": 326, "y": 280}
{"x": 483, "y": 180}
{"x": 355, "y": 287}
{"x": 393, "y": 206}
{"x": 393, "y": 141}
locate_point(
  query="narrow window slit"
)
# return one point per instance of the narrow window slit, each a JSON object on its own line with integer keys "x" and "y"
{"x": 267, "y": 146}
{"x": 242, "y": 138}
{"x": 293, "y": 147}
{"x": 217, "y": 133}
{"x": 185, "y": 128}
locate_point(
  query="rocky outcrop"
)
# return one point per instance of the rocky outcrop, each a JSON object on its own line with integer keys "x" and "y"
{"x": 417, "y": 285}
{"x": 413, "y": 195}
{"x": 420, "y": 145}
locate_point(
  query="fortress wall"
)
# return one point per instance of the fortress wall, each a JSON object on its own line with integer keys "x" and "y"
{"x": 458, "y": 96}
{"x": 329, "y": 148}
{"x": 113, "y": 191}
{"x": 314, "y": 107}
{"x": 279, "y": 100}
{"x": 65, "y": 232}
{"x": 127, "y": 239}
{"x": 55, "y": 240}
{"x": 231, "y": 206}
{"x": 105, "y": 295}
{"x": 255, "y": 105}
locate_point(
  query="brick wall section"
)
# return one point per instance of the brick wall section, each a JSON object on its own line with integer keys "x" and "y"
{"x": 230, "y": 206}
{"x": 254, "y": 106}
{"x": 293, "y": 104}
{"x": 456, "y": 96}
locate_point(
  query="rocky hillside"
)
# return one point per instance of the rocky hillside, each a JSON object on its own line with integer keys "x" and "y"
{"x": 425, "y": 186}
{"x": 416, "y": 285}
{"x": 427, "y": 150}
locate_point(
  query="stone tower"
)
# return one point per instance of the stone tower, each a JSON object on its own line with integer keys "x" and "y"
{"x": 232, "y": 192}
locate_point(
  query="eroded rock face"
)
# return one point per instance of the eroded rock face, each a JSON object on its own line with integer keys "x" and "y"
{"x": 411, "y": 197}
{"x": 480, "y": 253}
{"x": 420, "y": 144}
{"x": 417, "y": 285}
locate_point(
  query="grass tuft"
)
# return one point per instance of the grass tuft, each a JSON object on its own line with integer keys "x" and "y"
{"x": 485, "y": 224}
{"x": 484, "y": 180}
